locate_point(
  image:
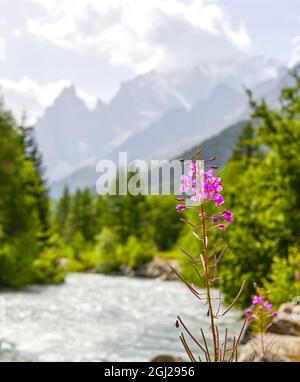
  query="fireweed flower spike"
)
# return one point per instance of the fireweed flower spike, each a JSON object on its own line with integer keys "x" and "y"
{"x": 199, "y": 188}
{"x": 261, "y": 315}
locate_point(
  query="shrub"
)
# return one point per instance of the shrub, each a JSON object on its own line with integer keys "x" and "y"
{"x": 284, "y": 278}
{"x": 50, "y": 267}
{"x": 16, "y": 258}
{"x": 106, "y": 251}
{"x": 135, "y": 252}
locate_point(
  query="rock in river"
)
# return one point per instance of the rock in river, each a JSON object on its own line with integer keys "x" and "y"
{"x": 279, "y": 348}
{"x": 287, "y": 321}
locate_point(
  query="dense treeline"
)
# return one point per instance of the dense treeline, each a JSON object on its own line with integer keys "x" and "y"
{"x": 41, "y": 240}
{"x": 263, "y": 189}
{"x": 113, "y": 232}
{"x": 23, "y": 204}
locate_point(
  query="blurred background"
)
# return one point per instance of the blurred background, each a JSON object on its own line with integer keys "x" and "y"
{"x": 87, "y": 277}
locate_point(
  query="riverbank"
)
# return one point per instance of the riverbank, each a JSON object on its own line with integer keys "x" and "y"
{"x": 157, "y": 268}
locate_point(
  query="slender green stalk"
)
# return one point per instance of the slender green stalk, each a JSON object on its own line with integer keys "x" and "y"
{"x": 207, "y": 285}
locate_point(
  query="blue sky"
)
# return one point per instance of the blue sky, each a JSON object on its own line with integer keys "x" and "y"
{"x": 96, "y": 44}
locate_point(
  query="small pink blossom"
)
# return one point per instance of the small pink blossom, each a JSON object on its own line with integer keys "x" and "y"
{"x": 267, "y": 305}
{"x": 185, "y": 183}
{"x": 218, "y": 199}
{"x": 214, "y": 219}
{"x": 197, "y": 197}
{"x": 257, "y": 300}
{"x": 227, "y": 216}
{"x": 192, "y": 169}
{"x": 180, "y": 208}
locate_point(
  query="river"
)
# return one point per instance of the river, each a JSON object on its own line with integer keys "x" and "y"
{"x": 99, "y": 318}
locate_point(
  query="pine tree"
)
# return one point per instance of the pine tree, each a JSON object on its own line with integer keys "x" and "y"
{"x": 41, "y": 192}
{"x": 87, "y": 215}
{"x": 81, "y": 216}
{"x": 100, "y": 214}
{"x": 19, "y": 214}
{"x": 62, "y": 212}
{"x": 247, "y": 146}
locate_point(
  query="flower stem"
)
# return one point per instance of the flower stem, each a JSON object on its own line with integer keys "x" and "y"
{"x": 262, "y": 329}
{"x": 207, "y": 285}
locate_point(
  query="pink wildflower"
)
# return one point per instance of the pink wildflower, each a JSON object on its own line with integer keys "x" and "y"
{"x": 218, "y": 199}
{"x": 267, "y": 305}
{"x": 180, "y": 208}
{"x": 227, "y": 216}
{"x": 185, "y": 183}
{"x": 257, "y": 300}
{"x": 192, "y": 169}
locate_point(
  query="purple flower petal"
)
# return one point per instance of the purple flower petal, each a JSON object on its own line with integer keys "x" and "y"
{"x": 227, "y": 216}
{"x": 267, "y": 305}
{"x": 218, "y": 199}
{"x": 180, "y": 208}
{"x": 215, "y": 219}
{"x": 257, "y": 300}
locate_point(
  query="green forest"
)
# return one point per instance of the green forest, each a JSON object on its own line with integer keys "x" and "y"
{"x": 41, "y": 240}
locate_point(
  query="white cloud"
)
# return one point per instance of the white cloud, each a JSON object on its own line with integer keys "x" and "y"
{"x": 143, "y": 35}
{"x": 295, "y": 54}
{"x": 32, "y": 98}
{"x": 2, "y": 49}
{"x": 89, "y": 100}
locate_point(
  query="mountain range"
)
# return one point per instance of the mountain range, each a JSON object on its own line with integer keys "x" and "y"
{"x": 153, "y": 116}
